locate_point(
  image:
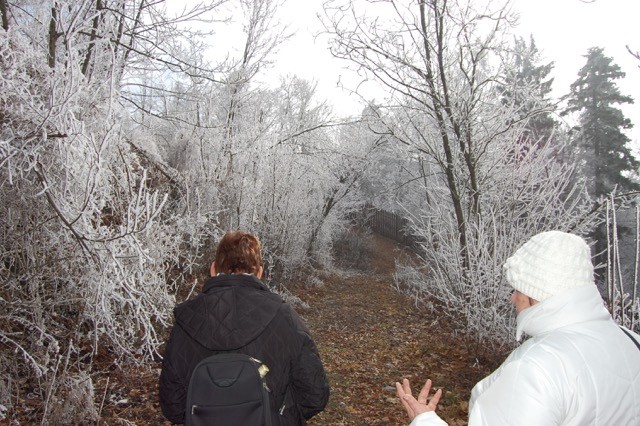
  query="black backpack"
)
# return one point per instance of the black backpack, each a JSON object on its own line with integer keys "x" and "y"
{"x": 228, "y": 389}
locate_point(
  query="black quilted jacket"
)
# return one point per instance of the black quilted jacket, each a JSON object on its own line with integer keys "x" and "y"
{"x": 239, "y": 313}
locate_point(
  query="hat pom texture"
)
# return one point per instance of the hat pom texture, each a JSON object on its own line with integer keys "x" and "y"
{"x": 549, "y": 263}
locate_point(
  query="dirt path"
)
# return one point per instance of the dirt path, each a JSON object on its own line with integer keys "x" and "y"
{"x": 369, "y": 336}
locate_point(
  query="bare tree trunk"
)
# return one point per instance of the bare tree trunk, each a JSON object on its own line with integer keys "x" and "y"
{"x": 94, "y": 35}
{"x": 446, "y": 143}
{"x": 5, "y": 16}
{"x": 53, "y": 37}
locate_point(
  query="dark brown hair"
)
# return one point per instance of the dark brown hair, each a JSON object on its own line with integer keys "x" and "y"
{"x": 238, "y": 252}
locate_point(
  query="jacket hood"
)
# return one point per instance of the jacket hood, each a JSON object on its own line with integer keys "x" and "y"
{"x": 230, "y": 313}
{"x": 575, "y": 305}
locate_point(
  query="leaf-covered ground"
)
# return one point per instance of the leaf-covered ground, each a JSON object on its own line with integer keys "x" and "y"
{"x": 369, "y": 336}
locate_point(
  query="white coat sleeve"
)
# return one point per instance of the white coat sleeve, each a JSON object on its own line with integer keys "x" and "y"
{"x": 430, "y": 418}
{"x": 522, "y": 394}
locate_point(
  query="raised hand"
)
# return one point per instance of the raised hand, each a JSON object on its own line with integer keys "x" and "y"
{"x": 423, "y": 403}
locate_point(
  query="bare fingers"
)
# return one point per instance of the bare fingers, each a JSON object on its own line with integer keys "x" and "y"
{"x": 424, "y": 395}
{"x": 402, "y": 393}
{"x": 435, "y": 399}
{"x": 413, "y": 406}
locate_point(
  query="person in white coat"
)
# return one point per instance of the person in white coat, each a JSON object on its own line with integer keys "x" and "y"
{"x": 577, "y": 368}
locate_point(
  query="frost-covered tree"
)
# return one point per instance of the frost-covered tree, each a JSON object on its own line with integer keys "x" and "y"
{"x": 269, "y": 161}
{"x": 488, "y": 187}
{"x": 92, "y": 231}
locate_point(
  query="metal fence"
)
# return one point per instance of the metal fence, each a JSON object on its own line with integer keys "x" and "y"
{"x": 389, "y": 225}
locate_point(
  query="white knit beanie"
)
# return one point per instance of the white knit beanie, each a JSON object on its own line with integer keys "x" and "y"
{"x": 549, "y": 263}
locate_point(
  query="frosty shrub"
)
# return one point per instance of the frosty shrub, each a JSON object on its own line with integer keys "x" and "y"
{"x": 291, "y": 298}
{"x": 89, "y": 232}
{"x": 526, "y": 194}
{"x": 410, "y": 280}
{"x": 73, "y": 401}
{"x": 314, "y": 282}
{"x": 622, "y": 300}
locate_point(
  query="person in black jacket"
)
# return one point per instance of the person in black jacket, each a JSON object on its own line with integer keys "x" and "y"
{"x": 236, "y": 312}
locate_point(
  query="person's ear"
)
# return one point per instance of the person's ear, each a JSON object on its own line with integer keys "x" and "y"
{"x": 260, "y": 271}
{"x": 213, "y": 271}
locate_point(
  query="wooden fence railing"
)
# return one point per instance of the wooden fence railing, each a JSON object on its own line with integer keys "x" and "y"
{"x": 390, "y": 225}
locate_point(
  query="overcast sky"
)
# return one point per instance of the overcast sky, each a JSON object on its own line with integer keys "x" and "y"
{"x": 566, "y": 29}
{"x": 563, "y": 29}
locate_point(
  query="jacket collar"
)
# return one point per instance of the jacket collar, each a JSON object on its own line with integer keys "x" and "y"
{"x": 576, "y": 305}
{"x": 230, "y": 280}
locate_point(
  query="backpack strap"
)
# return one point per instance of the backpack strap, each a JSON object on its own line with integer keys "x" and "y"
{"x": 631, "y": 337}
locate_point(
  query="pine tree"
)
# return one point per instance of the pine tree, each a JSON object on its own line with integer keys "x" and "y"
{"x": 601, "y": 144}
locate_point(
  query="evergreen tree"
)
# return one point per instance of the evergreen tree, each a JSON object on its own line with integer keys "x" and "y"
{"x": 601, "y": 144}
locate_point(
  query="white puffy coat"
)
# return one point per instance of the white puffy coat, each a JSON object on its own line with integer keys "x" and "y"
{"x": 578, "y": 368}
